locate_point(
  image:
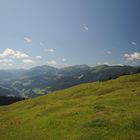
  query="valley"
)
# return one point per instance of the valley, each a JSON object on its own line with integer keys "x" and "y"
{"x": 45, "y": 79}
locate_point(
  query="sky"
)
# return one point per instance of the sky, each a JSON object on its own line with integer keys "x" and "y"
{"x": 62, "y": 33}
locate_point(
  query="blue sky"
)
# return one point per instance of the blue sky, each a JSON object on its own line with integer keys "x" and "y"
{"x": 69, "y": 32}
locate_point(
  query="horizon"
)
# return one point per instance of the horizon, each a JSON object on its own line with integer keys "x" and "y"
{"x": 69, "y": 66}
{"x": 64, "y": 33}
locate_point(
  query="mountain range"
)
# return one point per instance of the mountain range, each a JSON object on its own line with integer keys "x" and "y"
{"x": 44, "y": 79}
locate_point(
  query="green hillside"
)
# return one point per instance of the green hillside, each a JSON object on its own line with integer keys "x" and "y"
{"x": 95, "y": 111}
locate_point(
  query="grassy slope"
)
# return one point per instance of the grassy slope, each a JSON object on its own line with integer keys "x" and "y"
{"x": 96, "y": 111}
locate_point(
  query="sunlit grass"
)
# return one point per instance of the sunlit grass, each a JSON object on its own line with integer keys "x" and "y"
{"x": 95, "y": 111}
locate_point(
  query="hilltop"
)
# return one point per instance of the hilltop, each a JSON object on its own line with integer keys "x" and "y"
{"x": 95, "y": 111}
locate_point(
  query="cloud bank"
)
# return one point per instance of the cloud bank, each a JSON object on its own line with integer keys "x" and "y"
{"x": 9, "y": 53}
{"x": 132, "y": 57}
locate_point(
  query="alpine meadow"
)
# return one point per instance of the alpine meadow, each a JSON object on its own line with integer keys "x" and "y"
{"x": 69, "y": 70}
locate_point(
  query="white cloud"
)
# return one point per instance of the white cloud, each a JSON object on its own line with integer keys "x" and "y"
{"x": 102, "y": 63}
{"x": 105, "y": 63}
{"x": 133, "y": 56}
{"x": 27, "y": 40}
{"x": 13, "y": 54}
{"x": 7, "y": 53}
{"x": 28, "y": 61}
{"x": 64, "y": 59}
{"x": 19, "y": 55}
{"x": 6, "y": 62}
{"x": 41, "y": 44}
{"x": 134, "y": 43}
{"x": 52, "y": 62}
{"x": 50, "y": 50}
{"x": 118, "y": 64}
{"x": 109, "y": 52}
{"x": 99, "y": 63}
{"x": 39, "y": 57}
{"x": 85, "y": 27}
{"x": 10, "y": 64}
